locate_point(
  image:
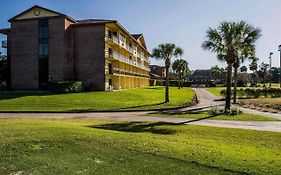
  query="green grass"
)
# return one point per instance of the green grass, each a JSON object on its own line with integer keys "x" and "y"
{"x": 64, "y": 146}
{"x": 133, "y": 99}
{"x": 202, "y": 115}
{"x": 216, "y": 90}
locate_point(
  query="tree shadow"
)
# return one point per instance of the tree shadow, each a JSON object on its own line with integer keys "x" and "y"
{"x": 140, "y": 106}
{"x": 13, "y": 95}
{"x": 155, "y": 88}
{"x": 138, "y": 127}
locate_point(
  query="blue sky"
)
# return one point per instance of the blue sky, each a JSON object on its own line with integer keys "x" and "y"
{"x": 183, "y": 22}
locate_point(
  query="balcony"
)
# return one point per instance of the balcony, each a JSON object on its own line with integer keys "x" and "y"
{"x": 112, "y": 38}
{"x": 117, "y": 71}
{"x": 120, "y": 57}
{"x": 117, "y": 41}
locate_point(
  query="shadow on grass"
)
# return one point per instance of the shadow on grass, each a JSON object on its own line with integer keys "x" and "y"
{"x": 155, "y": 88}
{"x": 140, "y": 127}
{"x": 141, "y": 106}
{"x": 13, "y": 95}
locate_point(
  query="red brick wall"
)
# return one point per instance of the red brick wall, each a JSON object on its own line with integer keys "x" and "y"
{"x": 24, "y": 55}
{"x": 68, "y": 50}
{"x": 89, "y": 61}
{"x": 56, "y": 48}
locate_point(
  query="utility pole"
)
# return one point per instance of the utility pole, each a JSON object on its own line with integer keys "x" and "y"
{"x": 270, "y": 62}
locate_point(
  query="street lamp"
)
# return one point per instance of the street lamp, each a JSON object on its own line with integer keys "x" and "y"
{"x": 279, "y": 49}
{"x": 270, "y": 55}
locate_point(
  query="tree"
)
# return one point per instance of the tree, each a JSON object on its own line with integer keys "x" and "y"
{"x": 181, "y": 68}
{"x": 166, "y": 52}
{"x": 243, "y": 69}
{"x": 253, "y": 66}
{"x": 274, "y": 74}
{"x": 217, "y": 73}
{"x": 3, "y": 71}
{"x": 248, "y": 35}
{"x": 227, "y": 41}
{"x": 263, "y": 72}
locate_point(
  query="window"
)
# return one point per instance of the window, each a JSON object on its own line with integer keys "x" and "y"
{"x": 43, "y": 50}
{"x": 122, "y": 38}
{"x": 110, "y": 68}
{"x": 43, "y": 53}
{"x": 43, "y": 34}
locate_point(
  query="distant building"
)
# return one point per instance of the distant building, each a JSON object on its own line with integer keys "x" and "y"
{"x": 157, "y": 72}
{"x": 44, "y": 45}
{"x": 201, "y": 76}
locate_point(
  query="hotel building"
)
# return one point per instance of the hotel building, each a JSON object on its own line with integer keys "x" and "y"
{"x": 44, "y": 45}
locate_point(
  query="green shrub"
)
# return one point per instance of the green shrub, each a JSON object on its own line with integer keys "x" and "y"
{"x": 234, "y": 111}
{"x": 66, "y": 86}
{"x": 241, "y": 83}
{"x": 255, "y": 93}
{"x": 215, "y": 111}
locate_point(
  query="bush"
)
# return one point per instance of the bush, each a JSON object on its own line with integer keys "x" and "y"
{"x": 234, "y": 111}
{"x": 255, "y": 93}
{"x": 214, "y": 111}
{"x": 187, "y": 84}
{"x": 241, "y": 83}
{"x": 66, "y": 86}
{"x": 211, "y": 84}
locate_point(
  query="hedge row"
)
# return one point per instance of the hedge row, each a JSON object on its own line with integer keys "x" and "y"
{"x": 255, "y": 93}
{"x": 171, "y": 83}
{"x": 66, "y": 86}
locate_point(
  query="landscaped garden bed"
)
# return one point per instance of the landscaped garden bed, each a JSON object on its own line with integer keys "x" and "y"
{"x": 263, "y": 104}
{"x": 133, "y": 99}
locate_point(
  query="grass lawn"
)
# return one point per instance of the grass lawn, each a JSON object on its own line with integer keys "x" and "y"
{"x": 68, "y": 146}
{"x": 216, "y": 90}
{"x": 133, "y": 99}
{"x": 202, "y": 115}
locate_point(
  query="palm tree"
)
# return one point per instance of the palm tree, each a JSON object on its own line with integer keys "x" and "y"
{"x": 181, "y": 68}
{"x": 248, "y": 36}
{"x": 253, "y": 66}
{"x": 228, "y": 40}
{"x": 263, "y": 72}
{"x": 217, "y": 73}
{"x": 166, "y": 52}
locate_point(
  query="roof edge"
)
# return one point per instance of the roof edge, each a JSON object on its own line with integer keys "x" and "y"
{"x": 37, "y": 6}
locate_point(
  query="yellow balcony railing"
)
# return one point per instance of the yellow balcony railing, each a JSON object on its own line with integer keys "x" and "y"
{"x": 122, "y": 58}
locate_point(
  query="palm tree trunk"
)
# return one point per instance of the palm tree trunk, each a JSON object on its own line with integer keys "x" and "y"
{"x": 228, "y": 85}
{"x": 179, "y": 83}
{"x": 167, "y": 85}
{"x": 235, "y": 85}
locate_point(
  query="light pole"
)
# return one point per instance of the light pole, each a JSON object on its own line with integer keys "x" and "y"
{"x": 270, "y": 55}
{"x": 279, "y": 49}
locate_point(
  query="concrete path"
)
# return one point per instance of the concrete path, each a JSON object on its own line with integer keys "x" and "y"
{"x": 206, "y": 100}
{"x": 253, "y": 125}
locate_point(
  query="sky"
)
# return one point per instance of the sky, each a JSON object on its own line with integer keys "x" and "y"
{"x": 183, "y": 22}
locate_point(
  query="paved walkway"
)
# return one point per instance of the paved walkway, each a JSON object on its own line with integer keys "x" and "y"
{"x": 206, "y": 100}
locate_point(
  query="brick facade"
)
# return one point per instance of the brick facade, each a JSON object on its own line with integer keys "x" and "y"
{"x": 89, "y": 62}
{"x": 24, "y": 55}
{"x": 76, "y": 51}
